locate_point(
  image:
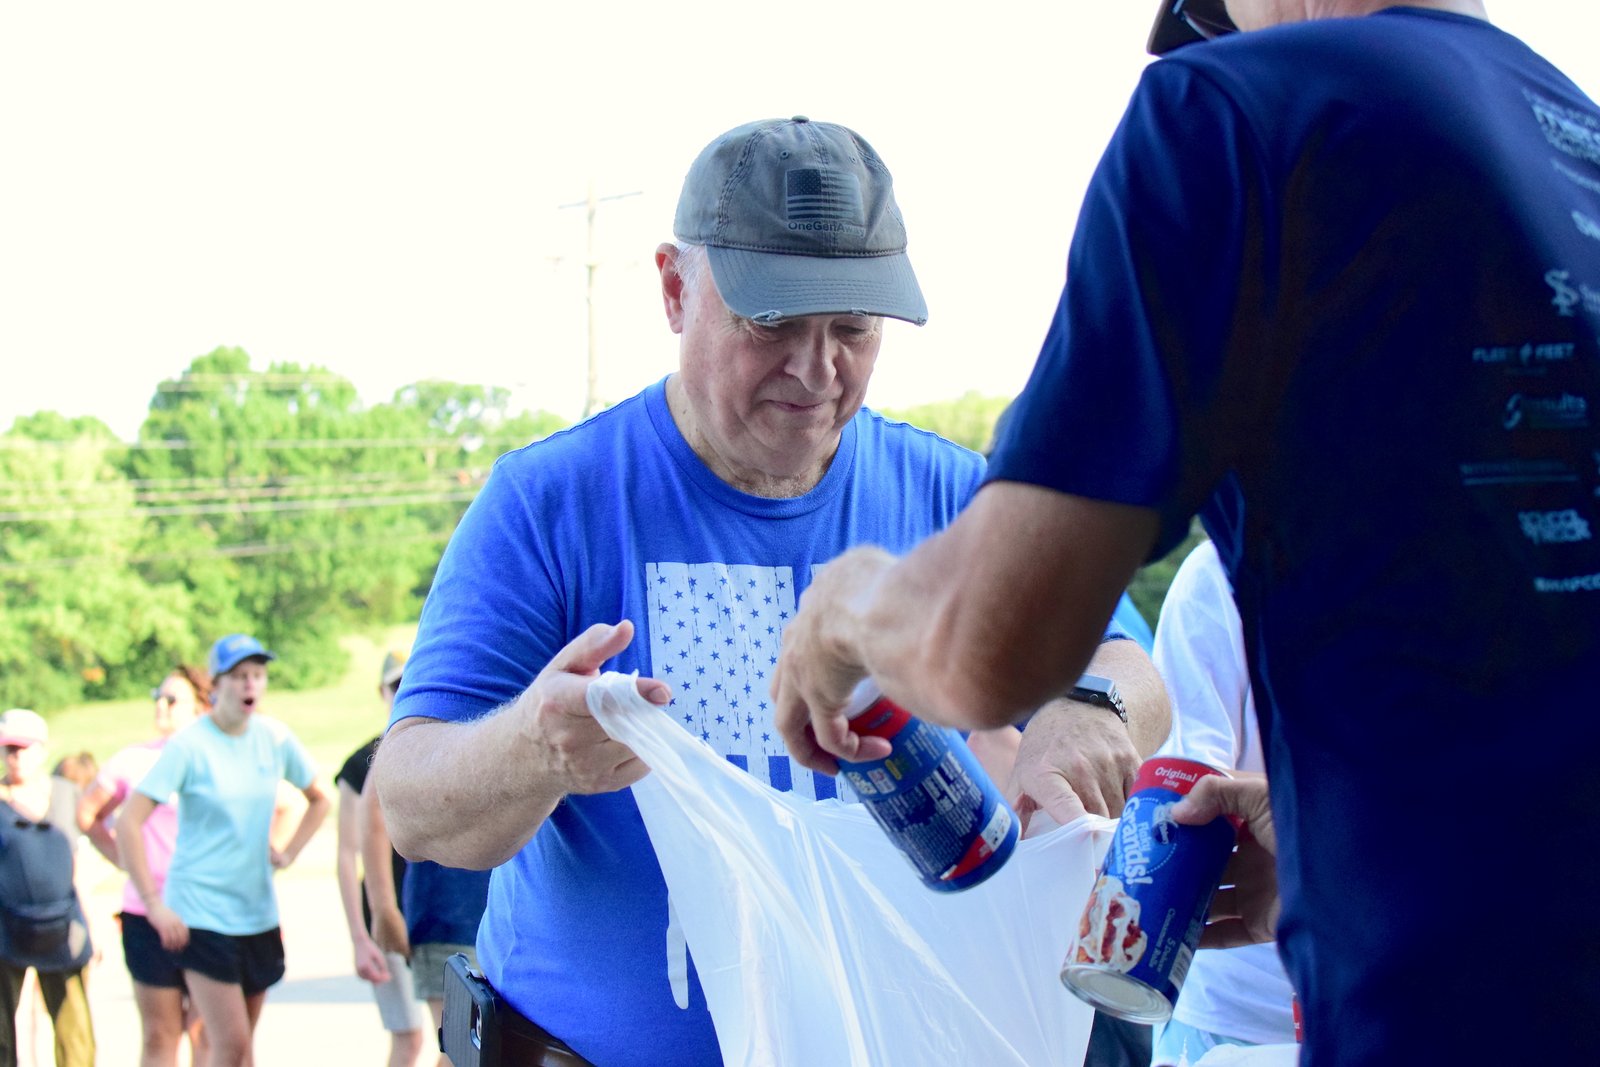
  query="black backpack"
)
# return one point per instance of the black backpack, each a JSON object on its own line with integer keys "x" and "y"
{"x": 41, "y": 922}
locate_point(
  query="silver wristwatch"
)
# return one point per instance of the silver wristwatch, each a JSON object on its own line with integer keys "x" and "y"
{"x": 1093, "y": 689}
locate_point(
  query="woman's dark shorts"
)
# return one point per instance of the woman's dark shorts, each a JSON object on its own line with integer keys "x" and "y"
{"x": 252, "y": 961}
{"x": 148, "y": 962}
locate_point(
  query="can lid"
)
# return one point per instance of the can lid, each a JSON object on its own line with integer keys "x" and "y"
{"x": 861, "y": 697}
{"x": 1116, "y": 994}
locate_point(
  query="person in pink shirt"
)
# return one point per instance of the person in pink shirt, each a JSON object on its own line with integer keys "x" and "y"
{"x": 165, "y": 1013}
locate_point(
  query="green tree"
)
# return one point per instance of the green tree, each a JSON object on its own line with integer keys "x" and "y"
{"x": 282, "y": 505}
{"x": 292, "y": 512}
{"x": 968, "y": 420}
{"x": 1150, "y": 583}
{"x": 76, "y": 621}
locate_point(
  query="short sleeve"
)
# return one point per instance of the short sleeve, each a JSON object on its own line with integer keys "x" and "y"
{"x": 299, "y": 770}
{"x": 167, "y": 776}
{"x": 1134, "y": 398}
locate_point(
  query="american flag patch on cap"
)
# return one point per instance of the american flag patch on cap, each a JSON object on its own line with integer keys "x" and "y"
{"x": 820, "y": 194}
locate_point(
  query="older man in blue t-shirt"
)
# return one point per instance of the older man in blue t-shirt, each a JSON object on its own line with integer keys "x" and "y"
{"x": 673, "y": 534}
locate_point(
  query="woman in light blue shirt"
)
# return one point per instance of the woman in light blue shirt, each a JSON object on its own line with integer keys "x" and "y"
{"x": 218, "y": 910}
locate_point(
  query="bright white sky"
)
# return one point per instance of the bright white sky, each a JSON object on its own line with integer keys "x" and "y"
{"x": 377, "y": 188}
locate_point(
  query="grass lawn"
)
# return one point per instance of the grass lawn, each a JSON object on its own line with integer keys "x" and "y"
{"x": 331, "y": 722}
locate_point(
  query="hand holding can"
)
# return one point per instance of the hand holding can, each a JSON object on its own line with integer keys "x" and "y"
{"x": 929, "y": 794}
{"x": 1144, "y": 918}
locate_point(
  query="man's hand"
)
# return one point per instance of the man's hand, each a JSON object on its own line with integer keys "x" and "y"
{"x": 1074, "y": 759}
{"x": 370, "y": 962}
{"x": 506, "y": 771}
{"x": 1245, "y": 911}
{"x": 571, "y": 752}
{"x": 816, "y": 670}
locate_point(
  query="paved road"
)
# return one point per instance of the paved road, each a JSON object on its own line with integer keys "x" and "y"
{"x": 319, "y": 1014}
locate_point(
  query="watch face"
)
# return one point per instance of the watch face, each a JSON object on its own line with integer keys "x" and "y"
{"x": 1092, "y": 689}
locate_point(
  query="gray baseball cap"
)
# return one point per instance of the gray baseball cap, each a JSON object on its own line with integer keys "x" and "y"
{"x": 798, "y": 218}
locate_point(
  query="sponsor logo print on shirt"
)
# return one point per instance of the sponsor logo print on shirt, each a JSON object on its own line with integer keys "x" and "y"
{"x": 1530, "y": 357}
{"x": 1564, "y": 412}
{"x": 1518, "y": 472}
{"x": 1586, "y": 226}
{"x": 1553, "y": 527}
{"x": 1574, "y": 177}
{"x": 1577, "y": 133}
{"x": 1566, "y": 298}
{"x": 1583, "y": 583}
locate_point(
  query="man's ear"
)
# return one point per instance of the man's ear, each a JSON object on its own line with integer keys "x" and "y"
{"x": 672, "y": 290}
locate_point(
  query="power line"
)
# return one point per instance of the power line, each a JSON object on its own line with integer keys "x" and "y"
{"x": 223, "y": 481}
{"x": 469, "y": 443}
{"x": 259, "y": 548}
{"x": 317, "y": 504}
{"x": 196, "y": 379}
{"x": 221, "y": 493}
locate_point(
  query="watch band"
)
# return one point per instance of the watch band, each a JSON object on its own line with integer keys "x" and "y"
{"x": 1093, "y": 689}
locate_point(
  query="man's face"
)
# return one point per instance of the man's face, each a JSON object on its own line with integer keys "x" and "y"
{"x": 765, "y": 404}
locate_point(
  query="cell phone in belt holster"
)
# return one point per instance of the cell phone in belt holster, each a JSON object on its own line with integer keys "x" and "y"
{"x": 470, "y": 1035}
{"x": 481, "y": 1030}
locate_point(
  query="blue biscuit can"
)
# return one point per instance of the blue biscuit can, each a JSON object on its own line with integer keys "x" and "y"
{"x": 930, "y": 795}
{"x": 1142, "y": 924}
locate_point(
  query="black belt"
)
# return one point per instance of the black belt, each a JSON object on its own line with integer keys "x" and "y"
{"x": 524, "y": 1043}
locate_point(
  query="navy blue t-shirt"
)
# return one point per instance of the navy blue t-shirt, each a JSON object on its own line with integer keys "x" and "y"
{"x": 1336, "y": 287}
{"x": 443, "y": 905}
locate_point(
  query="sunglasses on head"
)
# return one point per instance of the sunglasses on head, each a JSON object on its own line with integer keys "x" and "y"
{"x": 1181, "y": 22}
{"x": 1208, "y": 18}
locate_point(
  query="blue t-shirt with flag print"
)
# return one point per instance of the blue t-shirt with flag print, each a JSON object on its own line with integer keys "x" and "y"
{"x": 618, "y": 518}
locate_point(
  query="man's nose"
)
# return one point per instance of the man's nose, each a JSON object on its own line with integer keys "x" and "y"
{"x": 813, "y": 359}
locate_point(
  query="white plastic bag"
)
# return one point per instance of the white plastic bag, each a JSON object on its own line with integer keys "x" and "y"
{"x": 816, "y": 942}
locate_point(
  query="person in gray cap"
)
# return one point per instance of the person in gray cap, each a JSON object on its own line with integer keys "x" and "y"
{"x": 672, "y": 535}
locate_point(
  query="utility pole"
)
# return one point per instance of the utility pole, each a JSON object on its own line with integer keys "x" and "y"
{"x": 590, "y": 204}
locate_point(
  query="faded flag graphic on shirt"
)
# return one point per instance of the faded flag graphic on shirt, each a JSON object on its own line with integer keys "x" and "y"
{"x": 714, "y": 635}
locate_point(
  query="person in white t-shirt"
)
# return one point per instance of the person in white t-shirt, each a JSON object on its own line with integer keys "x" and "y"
{"x": 1236, "y": 996}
